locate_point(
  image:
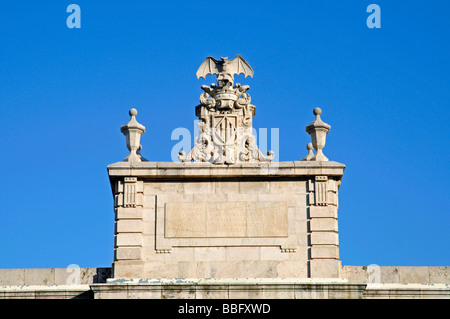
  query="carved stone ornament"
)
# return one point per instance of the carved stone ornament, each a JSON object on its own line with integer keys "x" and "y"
{"x": 225, "y": 113}
{"x": 133, "y": 132}
{"x": 318, "y": 131}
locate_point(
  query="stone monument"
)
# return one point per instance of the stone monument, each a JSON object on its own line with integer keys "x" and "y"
{"x": 226, "y": 210}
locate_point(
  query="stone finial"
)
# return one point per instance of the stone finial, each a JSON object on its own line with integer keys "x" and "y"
{"x": 310, "y": 154}
{"x": 133, "y": 132}
{"x": 318, "y": 131}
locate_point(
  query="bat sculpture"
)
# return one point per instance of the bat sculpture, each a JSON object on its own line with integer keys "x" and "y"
{"x": 225, "y": 69}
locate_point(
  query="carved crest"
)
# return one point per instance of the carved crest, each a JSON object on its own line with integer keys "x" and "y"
{"x": 224, "y": 129}
{"x": 225, "y": 115}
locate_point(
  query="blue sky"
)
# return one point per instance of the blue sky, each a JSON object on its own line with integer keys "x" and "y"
{"x": 64, "y": 93}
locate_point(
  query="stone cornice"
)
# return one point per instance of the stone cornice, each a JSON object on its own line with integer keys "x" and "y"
{"x": 174, "y": 170}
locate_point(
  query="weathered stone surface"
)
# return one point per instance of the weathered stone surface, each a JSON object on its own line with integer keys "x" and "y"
{"x": 289, "y": 287}
{"x": 194, "y": 208}
{"x": 264, "y": 288}
{"x": 226, "y": 219}
{"x": 128, "y": 253}
{"x": 324, "y": 238}
{"x": 292, "y": 269}
{"x": 12, "y": 277}
{"x": 322, "y": 212}
{"x": 46, "y": 292}
{"x": 128, "y": 239}
{"x": 324, "y": 252}
{"x": 399, "y": 274}
{"x": 189, "y": 269}
{"x": 129, "y": 213}
{"x": 129, "y": 226}
{"x": 170, "y": 170}
{"x": 325, "y": 268}
{"x": 185, "y": 220}
{"x": 439, "y": 275}
{"x": 324, "y": 224}
{"x": 53, "y": 276}
{"x": 37, "y": 276}
{"x": 129, "y": 269}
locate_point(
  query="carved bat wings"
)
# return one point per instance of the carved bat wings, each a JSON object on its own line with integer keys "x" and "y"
{"x": 235, "y": 66}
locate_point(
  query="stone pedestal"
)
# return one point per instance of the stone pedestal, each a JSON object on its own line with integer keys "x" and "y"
{"x": 249, "y": 220}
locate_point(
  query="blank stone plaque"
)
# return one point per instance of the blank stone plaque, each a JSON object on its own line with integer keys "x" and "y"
{"x": 226, "y": 219}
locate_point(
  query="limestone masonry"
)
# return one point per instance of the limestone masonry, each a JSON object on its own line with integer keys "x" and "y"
{"x": 227, "y": 221}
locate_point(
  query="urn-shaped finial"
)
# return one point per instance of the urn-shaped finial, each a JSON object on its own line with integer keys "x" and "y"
{"x": 133, "y": 132}
{"x": 318, "y": 131}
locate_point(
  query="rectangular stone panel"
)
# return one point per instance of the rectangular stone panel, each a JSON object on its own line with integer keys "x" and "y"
{"x": 128, "y": 239}
{"x": 267, "y": 219}
{"x": 129, "y": 226}
{"x": 128, "y": 253}
{"x": 323, "y": 211}
{"x": 324, "y": 224}
{"x": 225, "y": 219}
{"x": 129, "y": 213}
{"x": 325, "y": 252}
{"x": 324, "y": 238}
{"x": 185, "y": 220}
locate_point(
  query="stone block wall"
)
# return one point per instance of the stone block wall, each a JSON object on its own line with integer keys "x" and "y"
{"x": 214, "y": 229}
{"x": 397, "y": 274}
{"x": 52, "y": 276}
{"x": 207, "y": 221}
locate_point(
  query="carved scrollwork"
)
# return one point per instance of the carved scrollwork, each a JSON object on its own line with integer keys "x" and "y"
{"x": 207, "y": 101}
{"x": 243, "y": 100}
{"x": 249, "y": 151}
{"x": 203, "y": 149}
{"x": 249, "y": 111}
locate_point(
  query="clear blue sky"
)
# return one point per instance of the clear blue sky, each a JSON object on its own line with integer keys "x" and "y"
{"x": 64, "y": 93}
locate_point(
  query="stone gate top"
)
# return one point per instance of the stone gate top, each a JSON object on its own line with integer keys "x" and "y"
{"x": 225, "y": 121}
{"x": 226, "y": 210}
